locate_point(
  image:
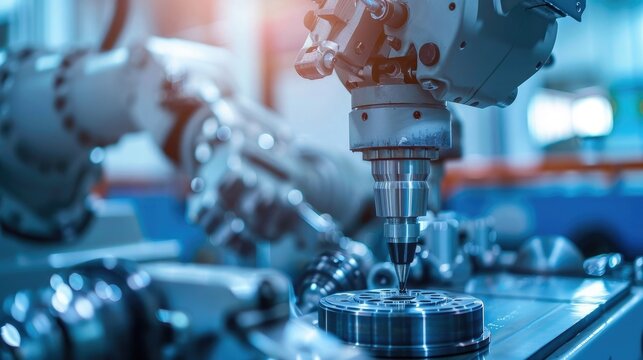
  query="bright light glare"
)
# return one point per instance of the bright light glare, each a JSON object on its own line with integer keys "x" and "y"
{"x": 10, "y": 335}
{"x": 554, "y": 116}
{"x": 592, "y": 116}
{"x": 549, "y": 117}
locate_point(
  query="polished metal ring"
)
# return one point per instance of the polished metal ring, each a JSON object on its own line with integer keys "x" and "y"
{"x": 418, "y": 324}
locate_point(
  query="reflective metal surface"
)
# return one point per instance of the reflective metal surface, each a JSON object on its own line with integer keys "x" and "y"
{"x": 331, "y": 272}
{"x": 401, "y": 194}
{"x": 533, "y": 316}
{"x": 99, "y": 310}
{"x": 620, "y": 325}
{"x": 447, "y": 262}
{"x": 549, "y": 255}
{"x": 420, "y": 323}
{"x": 547, "y": 288}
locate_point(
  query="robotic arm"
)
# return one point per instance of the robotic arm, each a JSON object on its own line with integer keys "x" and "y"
{"x": 402, "y": 61}
{"x": 58, "y": 108}
{"x": 249, "y": 180}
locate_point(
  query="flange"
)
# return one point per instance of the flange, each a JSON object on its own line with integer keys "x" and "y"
{"x": 419, "y": 324}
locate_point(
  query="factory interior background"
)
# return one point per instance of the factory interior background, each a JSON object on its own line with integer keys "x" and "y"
{"x": 563, "y": 156}
{"x": 565, "y": 160}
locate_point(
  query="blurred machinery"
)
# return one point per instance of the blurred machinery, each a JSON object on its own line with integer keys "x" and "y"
{"x": 250, "y": 182}
{"x": 111, "y": 309}
{"x": 294, "y": 266}
{"x": 253, "y": 191}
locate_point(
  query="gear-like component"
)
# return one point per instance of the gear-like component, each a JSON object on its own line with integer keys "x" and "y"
{"x": 419, "y": 323}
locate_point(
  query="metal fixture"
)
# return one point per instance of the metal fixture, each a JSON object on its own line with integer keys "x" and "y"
{"x": 419, "y": 323}
{"x": 333, "y": 272}
{"x": 447, "y": 262}
{"x": 100, "y": 310}
{"x": 480, "y": 242}
{"x": 604, "y": 264}
{"x": 549, "y": 255}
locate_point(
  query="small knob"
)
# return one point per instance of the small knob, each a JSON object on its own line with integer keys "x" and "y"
{"x": 429, "y": 54}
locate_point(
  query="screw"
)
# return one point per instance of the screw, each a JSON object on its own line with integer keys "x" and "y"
{"x": 429, "y": 54}
{"x": 328, "y": 61}
{"x": 417, "y": 115}
{"x": 364, "y": 116}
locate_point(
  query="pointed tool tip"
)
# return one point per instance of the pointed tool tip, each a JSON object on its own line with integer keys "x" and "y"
{"x": 402, "y": 271}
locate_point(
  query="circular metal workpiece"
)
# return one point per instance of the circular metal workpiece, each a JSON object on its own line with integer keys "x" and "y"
{"x": 419, "y": 323}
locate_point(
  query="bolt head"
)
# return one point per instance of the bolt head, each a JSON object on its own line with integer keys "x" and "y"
{"x": 429, "y": 54}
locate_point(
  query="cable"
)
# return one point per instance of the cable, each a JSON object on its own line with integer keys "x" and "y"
{"x": 116, "y": 26}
